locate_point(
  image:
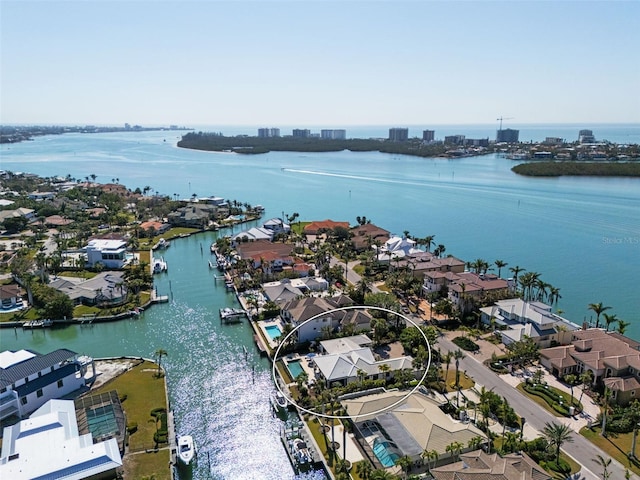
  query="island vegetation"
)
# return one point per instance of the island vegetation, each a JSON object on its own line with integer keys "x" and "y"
{"x": 216, "y": 142}
{"x": 590, "y": 169}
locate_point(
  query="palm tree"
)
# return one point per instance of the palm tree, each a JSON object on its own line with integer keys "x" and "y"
{"x": 404, "y": 463}
{"x": 446, "y": 359}
{"x": 475, "y": 442}
{"x": 364, "y": 469}
{"x": 634, "y": 413}
{"x": 598, "y": 308}
{"x": 382, "y": 474}
{"x": 586, "y": 378}
{"x": 428, "y": 241}
{"x": 557, "y": 434}
{"x": 571, "y": 381}
{"x": 499, "y": 265}
{"x": 609, "y": 319}
{"x": 516, "y": 270}
{"x": 458, "y": 355}
{"x": 604, "y": 463}
{"x": 430, "y": 455}
{"x": 606, "y": 396}
{"x": 159, "y": 354}
{"x": 454, "y": 448}
{"x": 622, "y": 326}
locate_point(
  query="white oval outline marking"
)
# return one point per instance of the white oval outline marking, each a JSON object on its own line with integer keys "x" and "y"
{"x": 339, "y": 417}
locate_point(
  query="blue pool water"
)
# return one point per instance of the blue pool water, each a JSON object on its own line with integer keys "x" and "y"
{"x": 295, "y": 368}
{"x": 273, "y": 331}
{"x": 387, "y": 458}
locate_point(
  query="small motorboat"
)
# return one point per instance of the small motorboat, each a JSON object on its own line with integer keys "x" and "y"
{"x": 279, "y": 401}
{"x": 186, "y": 449}
{"x": 301, "y": 451}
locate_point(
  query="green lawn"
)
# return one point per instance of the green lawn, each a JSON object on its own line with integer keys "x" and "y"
{"x": 615, "y": 445}
{"x": 144, "y": 391}
{"x": 543, "y": 403}
{"x": 466, "y": 382}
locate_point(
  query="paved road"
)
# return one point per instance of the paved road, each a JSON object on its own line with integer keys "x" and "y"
{"x": 581, "y": 450}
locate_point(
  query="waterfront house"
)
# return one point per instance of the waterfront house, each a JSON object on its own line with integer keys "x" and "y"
{"x": 395, "y": 249}
{"x": 367, "y": 236}
{"x": 280, "y": 252}
{"x": 194, "y": 215}
{"x": 421, "y": 263}
{"x": 323, "y": 226}
{"x": 517, "y": 319}
{"x": 298, "y": 311}
{"x": 350, "y": 359}
{"x": 10, "y": 297}
{"x": 474, "y": 285}
{"x": 613, "y": 359}
{"x": 478, "y": 465}
{"x": 414, "y": 425}
{"x": 109, "y": 252}
{"x": 252, "y": 235}
{"x": 157, "y": 228}
{"x": 29, "y": 379}
{"x": 106, "y": 288}
{"x": 277, "y": 226}
{"x": 49, "y": 445}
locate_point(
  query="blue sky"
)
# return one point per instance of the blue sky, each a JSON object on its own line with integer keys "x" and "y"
{"x": 319, "y": 63}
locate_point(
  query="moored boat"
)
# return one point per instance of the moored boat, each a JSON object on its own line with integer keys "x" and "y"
{"x": 279, "y": 401}
{"x": 186, "y": 449}
{"x": 301, "y": 452}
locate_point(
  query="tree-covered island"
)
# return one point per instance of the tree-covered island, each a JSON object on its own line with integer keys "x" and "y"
{"x": 216, "y": 142}
{"x": 593, "y": 169}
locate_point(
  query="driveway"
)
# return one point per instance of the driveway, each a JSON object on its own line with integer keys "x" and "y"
{"x": 581, "y": 450}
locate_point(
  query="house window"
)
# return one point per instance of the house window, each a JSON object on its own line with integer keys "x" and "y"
{"x": 60, "y": 383}
{"x": 26, "y": 380}
{"x": 23, "y": 400}
{"x": 39, "y": 374}
{"x": 39, "y": 393}
{"x": 51, "y": 369}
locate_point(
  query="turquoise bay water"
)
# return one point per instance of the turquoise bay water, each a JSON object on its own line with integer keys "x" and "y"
{"x": 581, "y": 234}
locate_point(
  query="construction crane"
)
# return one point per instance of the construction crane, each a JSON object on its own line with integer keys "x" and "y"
{"x": 503, "y": 118}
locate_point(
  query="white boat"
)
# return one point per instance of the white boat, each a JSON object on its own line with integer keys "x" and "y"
{"x": 159, "y": 265}
{"x": 162, "y": 244}
{"x": 301, "y": 452}
{"x": 186, "y": 449}
{"x": 279, "y": 401}
{"x": 229, "y": 314}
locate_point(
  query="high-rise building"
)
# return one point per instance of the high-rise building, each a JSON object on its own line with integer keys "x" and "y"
{"x": 454, "y": 139}
{"x": 300, "y": 133}
{"x": 586, "y": 136}
{"x": 428, "y": 135}
{"x": 328, "y": 134}
{"x": 268, "y": 132}
{"x": 398, "y": 134}
{"x": 507, "y": 135}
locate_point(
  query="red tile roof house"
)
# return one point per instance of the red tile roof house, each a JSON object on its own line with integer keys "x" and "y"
{"x": 158, "y": 227}
{"x": 315, "y": 228}
{"x": 364, "y": 236}
{"x": 613, "y": 359}
{"x": 476, "y": 285}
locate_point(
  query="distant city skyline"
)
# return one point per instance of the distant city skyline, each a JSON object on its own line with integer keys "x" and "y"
{"x": 308, "y": 63}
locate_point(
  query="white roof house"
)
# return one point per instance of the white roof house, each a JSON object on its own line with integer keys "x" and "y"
{"x": 347, "y": 356}
{"x": 111, "y": 253}
{"x": 397, "y": 247}
{"x": 253, "y": 234}
{"x": 48, "y": 445}
{"x": 533, "y": 319}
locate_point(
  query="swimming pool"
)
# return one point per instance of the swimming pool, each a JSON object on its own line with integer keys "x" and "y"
{"x": 273, "y": 331}
{"x": 386, "y": 457}
{"x": 295, "y": 368}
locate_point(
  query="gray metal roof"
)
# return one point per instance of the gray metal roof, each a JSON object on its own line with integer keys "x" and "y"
{"x": 33, "y": 365}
